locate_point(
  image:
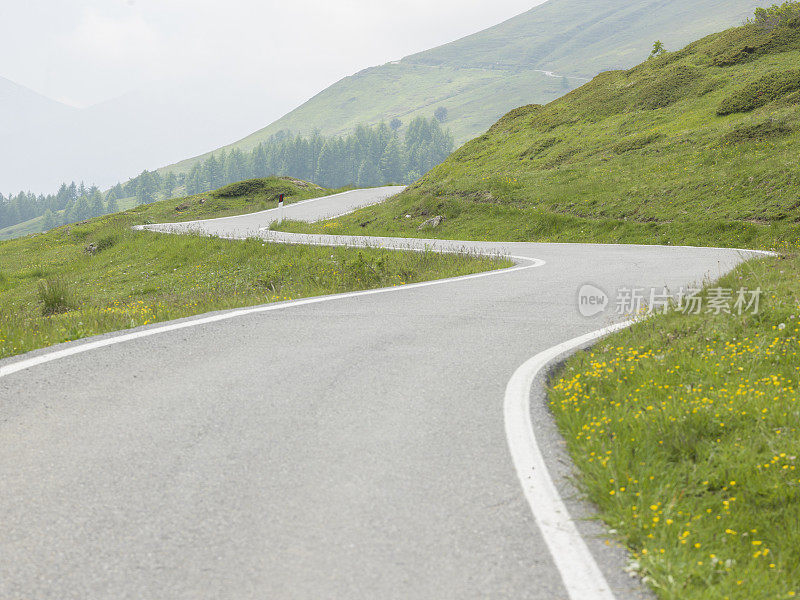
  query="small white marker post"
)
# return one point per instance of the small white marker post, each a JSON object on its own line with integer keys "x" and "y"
{"x": 280, "y": 209}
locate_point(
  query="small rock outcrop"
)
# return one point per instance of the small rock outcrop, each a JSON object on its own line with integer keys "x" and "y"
{"x": 431, "y": 223}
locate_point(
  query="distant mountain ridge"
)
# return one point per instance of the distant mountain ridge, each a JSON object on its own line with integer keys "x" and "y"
{"x": 481, "y": 77}
{"x": 45, "y": 143}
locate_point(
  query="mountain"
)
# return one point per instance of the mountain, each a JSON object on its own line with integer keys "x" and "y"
{"x": 23, "y": 108}
{"x": 697, "y": 146}
{"x": 26, "y": 120}
{"x": 45, "y": 143}
{"x": 535, "y": 57}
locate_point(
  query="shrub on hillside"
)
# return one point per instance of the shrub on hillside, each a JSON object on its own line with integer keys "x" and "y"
{"x": 759, "y": 131}
{"x": 769, "y": 18}
{"x": 666, "y": 88}
{"x": 761, "y": 92}
{"x": 539, "y": 146}
{"x": 636, "y": 142}
{"x": 711, "y": 85}
{"x": 106, "y": 242}
{"x": 747, "y": 43}
{"x": 734, "y": 56}
{"x": 252, "y": 187}
{"x": 56, "y": 296}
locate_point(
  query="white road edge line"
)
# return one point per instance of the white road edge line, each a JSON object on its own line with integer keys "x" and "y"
{"x": 579, "y": 571}
{"x": 28, "y": 363}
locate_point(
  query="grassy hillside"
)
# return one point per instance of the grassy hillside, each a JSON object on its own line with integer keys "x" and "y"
{"x": 698, "y": 146}
{"x": 99, "y": 275}
{"x": 687, "y": 431}
{"x": 483, "y": 76}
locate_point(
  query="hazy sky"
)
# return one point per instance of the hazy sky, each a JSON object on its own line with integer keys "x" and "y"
{"x": 85, "y": 51}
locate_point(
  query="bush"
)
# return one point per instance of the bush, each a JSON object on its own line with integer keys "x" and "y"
{"x": 539, "y": 146}
{"x": 761, "y": 92}
{"x": 734, "y": 56}
{"x": 56, "y": 296}
{"x": 748, "y": 43}
{"x": 665, "y": 89}
{"x": 252, "y": 187}
{"x": 775, "y": 16}
{"x": 106, "y": 242}
{"x": 636, "y": 142}
{"x": 759, "y": 131}
{"x": 710, "y": 86}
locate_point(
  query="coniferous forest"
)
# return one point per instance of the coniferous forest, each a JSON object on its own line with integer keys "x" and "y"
{"x": 369, "y": 156}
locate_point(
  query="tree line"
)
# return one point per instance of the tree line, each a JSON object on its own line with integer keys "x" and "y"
{"x": 70, "y": 204}
{"x": 369, "y": 156}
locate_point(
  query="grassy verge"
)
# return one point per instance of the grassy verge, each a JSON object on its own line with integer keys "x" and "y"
{"x": 687, "y": 432}
{"x": 466, "y": 221}
{"x": 99, "y": 276}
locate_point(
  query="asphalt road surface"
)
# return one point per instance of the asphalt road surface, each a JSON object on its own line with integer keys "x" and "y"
{"x": 350, "y": 448}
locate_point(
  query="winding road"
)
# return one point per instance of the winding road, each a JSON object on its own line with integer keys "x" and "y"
{"x": 353, "y": 446}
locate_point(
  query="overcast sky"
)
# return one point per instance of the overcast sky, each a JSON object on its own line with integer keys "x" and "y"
{"x": 82, "y": 52}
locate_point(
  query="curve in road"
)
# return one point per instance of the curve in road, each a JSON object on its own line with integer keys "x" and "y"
{"x": 352, "y": 448}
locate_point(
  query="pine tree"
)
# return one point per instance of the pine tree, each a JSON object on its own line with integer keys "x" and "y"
{"x": 146, "y": 188}
{"x": 49, "y": 220}
{"x": 169, "y": 185}
{"x": 368, "y": 174}
{"x": 391, "y": 166}
{"x": 112, "y": 206}
{"x": 96, "y": 207}
{"x": 328, "y": 164}
{"x": 72, "y": 193}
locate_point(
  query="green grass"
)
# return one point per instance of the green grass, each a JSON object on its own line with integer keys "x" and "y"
{"x": 686, "y": 429}
{"x": 637, "y": 156}
{"x": 54, "y": 290}
{"x": 482, "y": 76}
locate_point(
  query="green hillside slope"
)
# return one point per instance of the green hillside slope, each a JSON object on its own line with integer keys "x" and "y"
{"x": 483, "y": 76}
{"x": 698, "y": 146}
